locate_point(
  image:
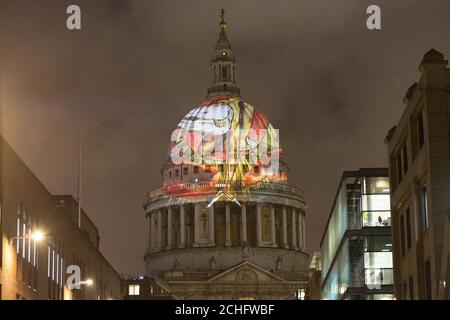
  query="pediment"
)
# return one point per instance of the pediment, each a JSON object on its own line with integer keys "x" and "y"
{"x": 246, "y": 272}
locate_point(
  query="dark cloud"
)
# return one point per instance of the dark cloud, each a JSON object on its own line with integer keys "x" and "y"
{"x": 332, "y": 87}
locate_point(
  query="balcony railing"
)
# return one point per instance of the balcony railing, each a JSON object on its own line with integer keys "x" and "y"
{"x": 212, "y": 187}
{"x": 189, "y": 275}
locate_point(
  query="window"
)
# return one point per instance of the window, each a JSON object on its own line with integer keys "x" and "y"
{"x": 177, "y": 172}
{"x": 377, "y": 243}
{"x": 425, "y": 213}
{"x": 185, "y": 171}
{"x": 428, "y": 285}
{"x": 375, "y": 185}
{"x": 420, "y": 130}
{"x": 18, "y": 235}
{"x": 399, "y": 168}
{"x": 378, "y": 260}
{"x": 401, "y": 159}
{"x": 405, "y": 157}
{"x": 380, "y": 296}
{"x": 256, "y": 169}
{"x": 375, "y": 202}
{"x": 402, "y": 234}
{"x": 196, "y": 169}
{"x": 49, "y": 263}
{"x": 408, "y": 228}
{"x": 170, "y": 174}
{"x": 134, "y": 289}
{"x": 376, "y": 276}
{"x": 224, "y": 72}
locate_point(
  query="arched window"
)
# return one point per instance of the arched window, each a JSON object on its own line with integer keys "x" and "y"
{"x": 224, "y": 72}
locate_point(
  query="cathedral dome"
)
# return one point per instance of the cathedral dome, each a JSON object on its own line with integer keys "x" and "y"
{"x": 225, "y": 139}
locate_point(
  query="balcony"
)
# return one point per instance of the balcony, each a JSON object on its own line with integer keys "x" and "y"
{"x": 211, "y": 188}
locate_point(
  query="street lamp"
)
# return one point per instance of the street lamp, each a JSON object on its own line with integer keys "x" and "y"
{"x": 87, "y": 282}
{"x": 36, "y": 236}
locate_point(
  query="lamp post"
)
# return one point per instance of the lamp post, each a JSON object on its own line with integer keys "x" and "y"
{"x": 87, "y": 282}
{"x": 36, "y": 236}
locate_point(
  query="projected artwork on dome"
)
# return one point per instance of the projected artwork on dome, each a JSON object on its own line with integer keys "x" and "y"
{"x": 231, "y": 137}
{"x": 232, "y": 143}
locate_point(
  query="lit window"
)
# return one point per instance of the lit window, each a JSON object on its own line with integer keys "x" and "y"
{"x": 57, "y": 268}
{"x": 49, "y": 262}
{"x": 53, "y": 264}
{"x": 18, "y": 235}
{"x": 376, "y": 202}
{"x": 29, "y": 246}
{"x": 24, "y": 245}
{"x": 133, "y": 289}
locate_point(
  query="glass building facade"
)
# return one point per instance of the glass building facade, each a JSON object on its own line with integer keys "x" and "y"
{"x": 356, "y": 247}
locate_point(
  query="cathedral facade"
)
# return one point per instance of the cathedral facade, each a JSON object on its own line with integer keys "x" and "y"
{"x": 225, "y": 224}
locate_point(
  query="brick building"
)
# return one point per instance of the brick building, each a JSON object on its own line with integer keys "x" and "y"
{"x": 32, "y": 269}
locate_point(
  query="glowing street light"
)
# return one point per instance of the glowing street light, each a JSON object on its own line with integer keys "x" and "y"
{"x": 37, "y": 235}
{"x": 87, "y": 282}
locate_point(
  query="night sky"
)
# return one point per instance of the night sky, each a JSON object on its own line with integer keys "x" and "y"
{"x": 332, "y": 87}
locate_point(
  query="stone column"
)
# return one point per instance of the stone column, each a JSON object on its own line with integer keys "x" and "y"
{"x": 284, "y": 222}
{"x": 182, "y": 228}
{"x": 227, "y": 225}
{"x": 300, "y": 229}
{"x": 169, "y": 228}
{"x": 303, "y": 231}
{"x": 294, "y": 233}
{"x": 212, "y": 241}
{"x": 243, "y": 222}
{"x": 149, "y": 238}
{"x": 272, "y": 220}
{"x": 153, "y": 231}
{"x": 258, "y": 224}
{"x": 196, "y": 223}
{"x": 160, "y": 230}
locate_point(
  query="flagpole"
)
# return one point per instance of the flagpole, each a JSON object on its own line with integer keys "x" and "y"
{"x": 79, "y": 177}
